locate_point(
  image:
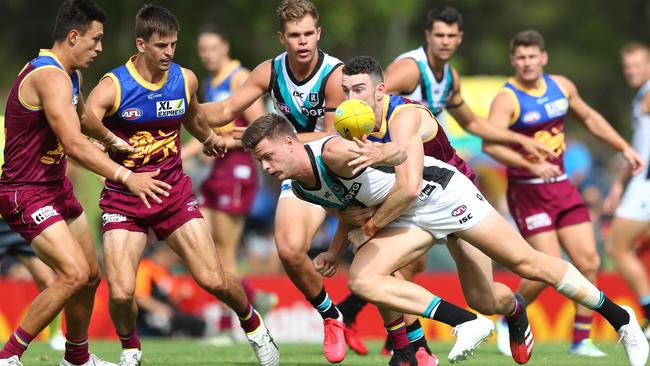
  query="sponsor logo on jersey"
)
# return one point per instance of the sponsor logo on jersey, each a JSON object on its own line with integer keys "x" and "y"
{"x": 153, "y": 96}
{"x": 131, "y": 114}
{"x": 284, "y": 108}
{"x": 478, "y": 195}
{"x": 108, "y": 218}
{"x": 426, "y": 192}
{"x": 557, "y": 107}
{"x": 458, "y": 210}
{"x": 531, "y": 117}
{"x": 542, "y": 100}
{"x": 298, "y": 94}
{"x": 43, "y": 214}
{"x": 75, "y": 100}
{"x": 193, "y": 205}
{"x": 286, "y": 187}
{"x": 307, "y": 112}
{"x": 465, "y": 219}
{"x": 170, "y": 108}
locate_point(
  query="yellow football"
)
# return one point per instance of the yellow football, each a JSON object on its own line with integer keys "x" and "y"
{"x": 354, "y": 118}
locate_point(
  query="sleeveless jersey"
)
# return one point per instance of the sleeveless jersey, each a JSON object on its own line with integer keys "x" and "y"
{"x": 149, "y": 117}
{"x": 367, "y": 188}
{"x": 302, "y": 102}
{"x": 33, "y": 154}
{"x": 641, "y": 134}
{"x": 437, "y": 146}
{"x": 431, "y": 92}
{"x": 215, "y": 90}
{"x": 541, "y": 116}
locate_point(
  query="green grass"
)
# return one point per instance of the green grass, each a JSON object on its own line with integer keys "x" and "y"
{"x": 188, "y": 352}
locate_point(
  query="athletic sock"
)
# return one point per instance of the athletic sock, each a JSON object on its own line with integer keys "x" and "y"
{"x": 17, "y": 344}
{"x": 581, "y": 328}
{"x": 397, "y": 333}
{"x": 615, "y": 315}
{"x": 447, "y": 313}
{"x": 645, "y": 304}
{"x": 324, "y": 305}
{"x": 415, "y": 334}
{"x": 130, "y": 341}
{"x": 516, "y": 311}
{"x": 350, "y": 308}
{"x": 249, "y": 320}
{"x": 249, "y": 290}
{"x": 76, "y": 351}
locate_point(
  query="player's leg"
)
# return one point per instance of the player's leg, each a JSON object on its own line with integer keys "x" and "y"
{"x": 621, "y": 246}
{"x": 545, "y": 242}
{"x": 496, "y": 238}
{"x": 193, "y": 243}
{"x": 579, "y": 242}
{"x": 371, "y": 278}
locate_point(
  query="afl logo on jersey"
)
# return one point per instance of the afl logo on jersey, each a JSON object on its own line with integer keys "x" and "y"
{"x": 531, "y": 117}
{"x": 284, "y": 108}
{"x": 459, "y": 210}
{"x": 131, "y": 114}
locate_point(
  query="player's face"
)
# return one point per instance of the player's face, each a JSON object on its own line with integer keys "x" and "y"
{"x": 274, "y": 157}
{"x": 213, "y": 50}
{"x": 300, "y": 38}
{"x": 362, "y": 87}
{"x": 636, "y": 68}
{"x": 88, "y": 45}
{"x": 158, "y": 50}
{"x": 443, "y": 39}
{"x": 529, "y": 62}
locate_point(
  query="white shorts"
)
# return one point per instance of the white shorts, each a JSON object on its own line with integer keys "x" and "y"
{"x": 456, "y": 208}
{"x": 287, "y": 192}
{"x": 635, "y": 204}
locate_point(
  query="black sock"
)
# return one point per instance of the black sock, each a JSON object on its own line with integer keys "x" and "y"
{"x": 451, "y": 314}
{"x": 646, "y": 310}
{"x": 416, "y": 336}
{"x": 324, "y": 305}
{"x": 615, "y": 315}
{"x": 350, "y": 308}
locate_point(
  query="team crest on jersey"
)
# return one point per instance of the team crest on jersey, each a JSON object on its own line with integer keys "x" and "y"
{"x": 284, "y": 108}
{"x": 170, "y": 108}
{"x": 131, "y": 114}
{"x": 531, "y": 117}
{"x": 313, "y": 98}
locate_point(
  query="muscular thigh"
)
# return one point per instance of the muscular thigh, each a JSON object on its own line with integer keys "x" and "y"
{"x": 296, "y": 223}
{"x": 579, "y": 242}
{"x": 122, "y": 253}
{"x": 474, "y": 267}
{"x": 193, "y": 243}
{"x": 57, "y": 247}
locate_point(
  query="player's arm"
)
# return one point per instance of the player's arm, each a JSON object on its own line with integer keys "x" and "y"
{"x": 598, "y": 125}
{"x": 195, "y": 123}
{"x": 501, "y": 112}
{"x": 91, "y": 123}
{"x": 347, "y": 158}
{"x": 327, "y": 263}
{"x": 54, "y": 90}
{"x": 219, "y": 114}
{"x": 478, "y": 126}
{"x": 402, "y": 76}
{"x": 405, "y": 130}
{"x": 333, "y": 97}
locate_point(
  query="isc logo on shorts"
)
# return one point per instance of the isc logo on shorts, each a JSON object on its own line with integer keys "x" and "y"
{"x": 43, "y": 214}
{"x": 170, "y": 108}
{"x": 107, "y": 218}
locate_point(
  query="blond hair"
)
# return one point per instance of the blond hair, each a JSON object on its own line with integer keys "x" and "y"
{"x": 290, "y": 10}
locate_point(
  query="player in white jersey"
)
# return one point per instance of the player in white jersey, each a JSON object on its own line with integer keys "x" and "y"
{"x": 304, "y": 84}
{"x": 632, "y": 217}
{"x": 448, "y": 203}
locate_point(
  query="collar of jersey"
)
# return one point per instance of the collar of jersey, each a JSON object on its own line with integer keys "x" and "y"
{"x": 536, "y": 92}
{"x": 49, "y": 53}
{"x": 151, "y": 86}
{"x": 227, "y": 70}
{"x": 384, "y": 123}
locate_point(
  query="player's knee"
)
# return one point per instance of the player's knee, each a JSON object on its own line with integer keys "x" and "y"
{"x": 588, "y": 264}
{"x": 214, "y": 284}
{"x": 362, "y": 286}
{"x": 122, "y": 294}
{"x": 528, "y": 269}
{"x": 291, "y": 251}
{"x": 482, "y": 304}
{"x": 74, "y": 277}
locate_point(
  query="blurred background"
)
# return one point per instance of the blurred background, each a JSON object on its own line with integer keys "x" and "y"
{"x": 583, "y": 39}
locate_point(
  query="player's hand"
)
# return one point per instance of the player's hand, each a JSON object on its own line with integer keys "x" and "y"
{"x": 367, "y": 153}
{"x": 358, "y": 237}
{"x": 146, "y": 187}
{"x": 633, "y": 159}
{"x": 214, "y": 146}
{"x": 356, "y": 216}
{"x": 545, "y": 170}
{"x": 613, "y": 198}
{"x": 115, "y": 143}
{"x": 537, "y": 150}
{"x": 326, "y": 264}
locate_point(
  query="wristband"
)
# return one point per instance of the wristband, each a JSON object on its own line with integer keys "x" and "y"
{"x": 370, "y": 227}
{"x": 210, "y": 136}
{"x": 126, "y": 176}
{"x": 116, "y": 176}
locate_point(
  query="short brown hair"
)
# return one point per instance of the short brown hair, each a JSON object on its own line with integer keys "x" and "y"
{"x": 293, "y": 10}
{"x": 154, "y": 19}
{"x": 527, "y": 38}
{"x": 635, "y": 46}
{"x": 270, "y": 125}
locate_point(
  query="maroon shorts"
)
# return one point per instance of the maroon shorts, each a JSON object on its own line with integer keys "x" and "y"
{"x": 29, "y": 210}
{"x": 543, "y": 207}
{"x": 126, "y": 211}
{"x": 232, "y": 184}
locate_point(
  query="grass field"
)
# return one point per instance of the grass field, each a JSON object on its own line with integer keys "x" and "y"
{"x": 187, "y": 352}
